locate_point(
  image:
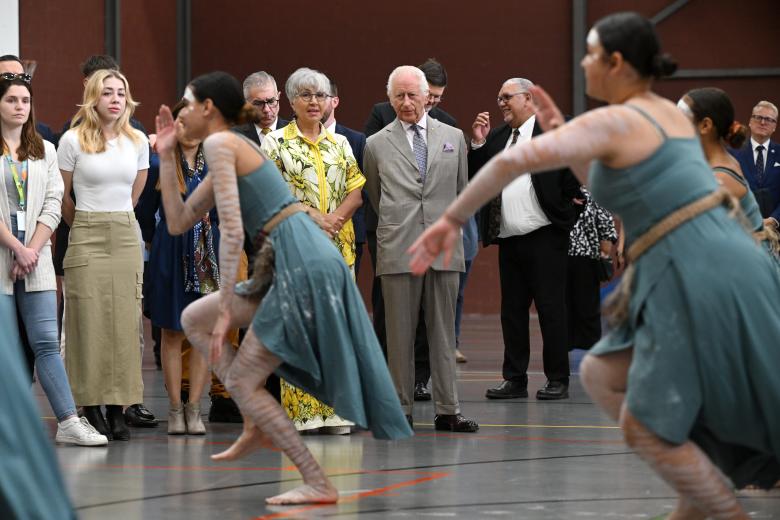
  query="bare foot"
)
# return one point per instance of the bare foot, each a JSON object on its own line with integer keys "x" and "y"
{"x": 685, "y": 510}
{"x": 251, "y": 439}
{"x": 320, "y": 494}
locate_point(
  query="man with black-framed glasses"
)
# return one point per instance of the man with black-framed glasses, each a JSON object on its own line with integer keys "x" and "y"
{"x": 261, "y": 92}
{"x": 760, "y": 161}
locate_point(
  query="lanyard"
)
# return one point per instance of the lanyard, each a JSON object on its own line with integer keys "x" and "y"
{"x": 20, "y": 184}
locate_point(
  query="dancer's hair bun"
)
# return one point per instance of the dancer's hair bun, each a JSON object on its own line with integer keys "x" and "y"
{"x": 247, "y": 114}
{"x": 663, "y": 65}
{"x": 736, "y": 135}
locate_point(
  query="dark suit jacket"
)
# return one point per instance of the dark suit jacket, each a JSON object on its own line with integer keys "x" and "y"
{"x": 248, "y": 130}
{"x": 554, "y": 189}
{"x": 47, "y": 133}
{"x": 767, "y": 192}
{"x": 382, "y": 114}
{"x": 357, "y": 141}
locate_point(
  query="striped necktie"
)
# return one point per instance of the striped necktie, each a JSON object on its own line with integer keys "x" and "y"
{"x": 420, "y": 151}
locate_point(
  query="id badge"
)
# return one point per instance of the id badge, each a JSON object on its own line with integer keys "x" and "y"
{"x": 21, "y": 221}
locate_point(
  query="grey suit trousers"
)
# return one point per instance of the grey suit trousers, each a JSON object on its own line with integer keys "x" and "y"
{"x": 437, "y": 293}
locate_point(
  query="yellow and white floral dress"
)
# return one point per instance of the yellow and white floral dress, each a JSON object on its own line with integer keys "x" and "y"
{"x": 320, "y": 174}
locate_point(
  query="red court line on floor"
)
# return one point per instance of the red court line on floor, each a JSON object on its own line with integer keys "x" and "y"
{"x": 358, "y": 496}
{"x": 616, "y": 442}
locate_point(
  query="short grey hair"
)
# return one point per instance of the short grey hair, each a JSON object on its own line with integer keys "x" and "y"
{"x": 524, "y": 84}
{"x": 766, "y": 104}
{"x": 408, "y": 69}
{"x": 258, "y": 79}
{"x": 306, "y": 78}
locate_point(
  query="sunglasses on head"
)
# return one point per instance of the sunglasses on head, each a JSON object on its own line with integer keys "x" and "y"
{"x": 10, "y": 76}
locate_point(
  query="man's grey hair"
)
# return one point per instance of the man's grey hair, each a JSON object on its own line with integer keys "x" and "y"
{"x": 408, "y": 69}
{"x": 766, "y": 104}
{"x": 523, "y": 84}
{"x": 306, "y": 79}
{"x": 258, "y": 79}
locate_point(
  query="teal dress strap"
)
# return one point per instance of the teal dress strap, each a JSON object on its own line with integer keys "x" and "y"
{"x": 731, "y": 173}
{"x": 649, "y": 118}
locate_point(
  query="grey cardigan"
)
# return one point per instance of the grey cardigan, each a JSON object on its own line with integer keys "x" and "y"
{"x": 44, "y": 205}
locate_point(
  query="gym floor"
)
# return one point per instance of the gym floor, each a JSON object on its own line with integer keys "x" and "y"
{"x": 530, "y": 460}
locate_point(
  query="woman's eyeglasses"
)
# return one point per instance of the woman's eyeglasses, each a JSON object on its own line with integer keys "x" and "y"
{"x": 10, "y": 76}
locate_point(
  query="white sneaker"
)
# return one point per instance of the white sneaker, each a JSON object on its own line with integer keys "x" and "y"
{"x": 78, "y": 431}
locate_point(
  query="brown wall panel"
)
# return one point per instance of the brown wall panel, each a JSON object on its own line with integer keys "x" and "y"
{"x": 148, "y": 52}
{"x": 358, "y": 43}
{"x": 59, "y": 35}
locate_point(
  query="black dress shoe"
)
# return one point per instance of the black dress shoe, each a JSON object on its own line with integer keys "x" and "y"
{"x": 455, "y": 423}
{"x": 421, "y": 393}
{"x": 224, "y": 410}
{"x": 116, "y": 422}
{"x": 96, "y": 419}
{"x": 139, "y": 416}
{"x": 410, "y": 421}
{"x": 507, "y": 390}
{"x": 553, "y": 390}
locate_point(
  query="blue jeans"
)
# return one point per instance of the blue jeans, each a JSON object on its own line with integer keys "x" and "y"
{"x": 39, "y": 315}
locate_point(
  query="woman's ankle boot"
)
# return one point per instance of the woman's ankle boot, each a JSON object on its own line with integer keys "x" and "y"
{"x": 96, "y": 419}
{"x": 176, "y": 423}
{"x": 116, "y": 422}
{"x": 194, "y": 422}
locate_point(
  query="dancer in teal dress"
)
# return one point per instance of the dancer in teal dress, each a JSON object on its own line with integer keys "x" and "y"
{"x": 311, "y": 327}
{"x": 30, "y": 482}
{"x": 712, "y": 112}
{"x": 690, "y": 372}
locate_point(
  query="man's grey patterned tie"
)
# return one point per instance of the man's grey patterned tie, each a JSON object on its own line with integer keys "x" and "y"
{"x": 420, "y": 152}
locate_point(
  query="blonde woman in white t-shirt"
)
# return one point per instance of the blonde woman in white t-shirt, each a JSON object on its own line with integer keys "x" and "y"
{"x": 105, "y": 160}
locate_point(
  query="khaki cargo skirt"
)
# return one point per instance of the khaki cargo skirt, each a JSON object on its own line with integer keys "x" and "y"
{"x": 103, "y": 282}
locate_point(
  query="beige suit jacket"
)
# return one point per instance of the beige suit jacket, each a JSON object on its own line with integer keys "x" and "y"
{"x": 405, "y": 205}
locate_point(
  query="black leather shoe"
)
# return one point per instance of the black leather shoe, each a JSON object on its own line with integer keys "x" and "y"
{"x": 139, "y": 416}
{"x": 553, "y": 390}
{"x": 410, "y": 421}
{"x": 224, "y": 410}
{"x": 96, "y": 419}
{"x": 507, "y": 390}
{"x": 421, "y": 393}
{"x": 455, "y": 423}
{"x": 116, "y": 422}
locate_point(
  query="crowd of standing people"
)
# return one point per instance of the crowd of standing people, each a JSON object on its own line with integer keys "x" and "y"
{"x": 258, "y": 226}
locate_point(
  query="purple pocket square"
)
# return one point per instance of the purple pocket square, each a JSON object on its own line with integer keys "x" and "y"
{"x": 448, "y": 147}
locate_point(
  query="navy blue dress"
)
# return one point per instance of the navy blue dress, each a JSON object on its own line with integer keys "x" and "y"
{"x": 168, "y": 295}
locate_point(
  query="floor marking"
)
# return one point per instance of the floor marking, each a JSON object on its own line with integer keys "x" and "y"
{"x": 354, "y": 498}
{"x": 616, "y": 442}
{"x": 571, "y": 426}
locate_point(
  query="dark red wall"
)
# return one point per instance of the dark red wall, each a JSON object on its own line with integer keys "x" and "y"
{"x": 357, "y": 43}
{"x": 61, "y": 35}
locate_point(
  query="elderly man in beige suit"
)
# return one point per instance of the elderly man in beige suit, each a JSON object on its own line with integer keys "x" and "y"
{"x": 415, "y": 167}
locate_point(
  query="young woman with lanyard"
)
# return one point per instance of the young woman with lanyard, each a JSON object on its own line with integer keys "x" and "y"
{"x": 31, "y": 192}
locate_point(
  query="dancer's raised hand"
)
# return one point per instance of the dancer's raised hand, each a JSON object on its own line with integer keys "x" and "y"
{"x": 166, "y": 130}
{"x": 440, "y": 237}
{"x": 548, "y": 115}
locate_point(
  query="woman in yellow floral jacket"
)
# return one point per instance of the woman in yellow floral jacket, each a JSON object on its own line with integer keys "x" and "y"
{"x": 323, "y": 174}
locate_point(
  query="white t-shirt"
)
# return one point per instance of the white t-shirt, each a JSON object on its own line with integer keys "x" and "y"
{"x": 104, "y": 181}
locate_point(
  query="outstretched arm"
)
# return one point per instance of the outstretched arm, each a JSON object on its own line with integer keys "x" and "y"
{"x": 180, "y": 215}
{"x": 220, "y": 150}
{"x": 590, "y": 136}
